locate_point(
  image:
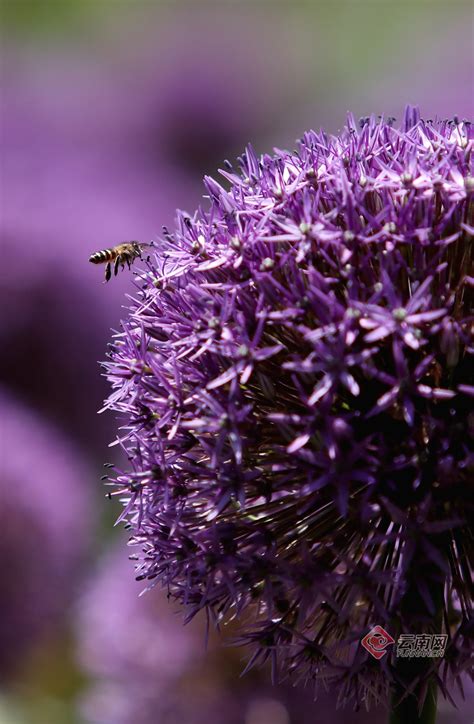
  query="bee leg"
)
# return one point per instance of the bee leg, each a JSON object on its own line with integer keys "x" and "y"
{"x": 116, "y": 265}
{"x": 108, "y": 272}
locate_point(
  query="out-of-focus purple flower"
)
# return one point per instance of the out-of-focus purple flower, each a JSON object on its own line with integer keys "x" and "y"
{"x": 296, "y": 382}
{"x": 210, "y": 97}
{"x": 68, "y": 194}
{"x": 45, "y": 520}
{"x": 146, "y": 667}
{"x": 129, "y": 643}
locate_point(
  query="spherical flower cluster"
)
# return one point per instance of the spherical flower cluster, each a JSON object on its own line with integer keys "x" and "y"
{"x": 295, "y": 378}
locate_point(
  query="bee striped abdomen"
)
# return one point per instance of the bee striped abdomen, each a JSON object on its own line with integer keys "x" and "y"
{"x": 121, "y": 255}
{"x": 100, "y": 257}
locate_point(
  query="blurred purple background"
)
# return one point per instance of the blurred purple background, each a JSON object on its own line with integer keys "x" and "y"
{"x": 111, "y": 113}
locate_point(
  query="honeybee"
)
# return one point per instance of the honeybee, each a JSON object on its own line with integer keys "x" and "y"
{"x": 120, "y": 255}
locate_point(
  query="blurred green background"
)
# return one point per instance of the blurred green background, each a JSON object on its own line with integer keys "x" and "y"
{"x": 111, "y": 113}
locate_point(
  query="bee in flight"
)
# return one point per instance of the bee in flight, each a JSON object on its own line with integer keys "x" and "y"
{"x": 119, "y": 255}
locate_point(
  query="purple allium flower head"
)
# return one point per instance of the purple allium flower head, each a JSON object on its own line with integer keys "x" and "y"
{"x": 295, "y": 378}
{"x": 45, "y": 519}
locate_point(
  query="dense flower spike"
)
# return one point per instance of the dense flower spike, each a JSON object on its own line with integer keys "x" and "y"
{"x": 296, "y": 379}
